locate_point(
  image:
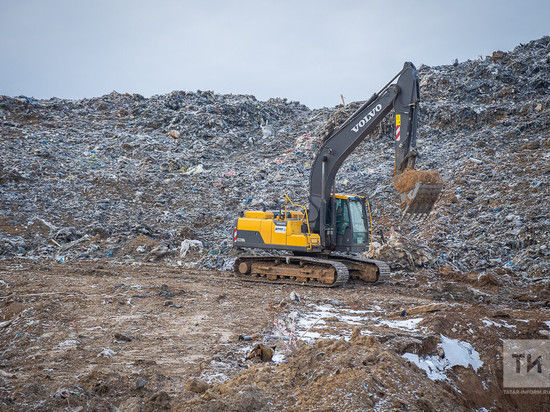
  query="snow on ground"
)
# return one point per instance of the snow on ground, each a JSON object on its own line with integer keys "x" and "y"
{"x": 407, "y": 324}
{"x": 456, "y": 353}
{"x": 501, "y": 324}
{"x": 319, "y": 316}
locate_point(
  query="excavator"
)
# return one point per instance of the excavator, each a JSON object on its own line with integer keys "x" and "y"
{"x": 322, "y": 241}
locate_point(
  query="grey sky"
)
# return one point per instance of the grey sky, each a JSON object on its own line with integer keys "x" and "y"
{"x": 309, "y": 51}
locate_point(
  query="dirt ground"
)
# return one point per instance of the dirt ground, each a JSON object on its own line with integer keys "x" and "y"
{"x": 99, "y": 335}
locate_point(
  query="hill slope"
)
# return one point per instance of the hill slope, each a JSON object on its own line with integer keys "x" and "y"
{"x": 105, "y": 172}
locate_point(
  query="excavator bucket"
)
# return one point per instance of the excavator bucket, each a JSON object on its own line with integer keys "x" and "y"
{"x": 419, "y": 190}
{"x": 421, "y": 200}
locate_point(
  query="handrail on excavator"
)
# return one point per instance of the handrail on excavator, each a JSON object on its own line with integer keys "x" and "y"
{"x": 287, "y": 200}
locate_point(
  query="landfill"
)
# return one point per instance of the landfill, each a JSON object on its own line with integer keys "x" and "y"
{"x": 132, "y": 201}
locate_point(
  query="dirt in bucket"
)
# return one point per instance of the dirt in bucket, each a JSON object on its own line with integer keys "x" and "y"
{"x": 406, "y": 181}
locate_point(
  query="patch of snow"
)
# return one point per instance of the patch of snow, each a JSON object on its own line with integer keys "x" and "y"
{"x": 215, "y": 377}
{"x": 320, "y": 316}
{"x": 432, "y": 365}
{"x": 457, "y": 353}
{"x": 502, "y": 324}
{"x": 407, "y": 324}
{"x": 322, "y": 312}
{"x": 460, "y": 353}
{"x": 310, "y": 336}
{"x": 278, "y": 357}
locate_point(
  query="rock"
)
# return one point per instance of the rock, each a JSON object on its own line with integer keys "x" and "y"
{"x": 433, "y": 307}
{"x": 158, "y": 402}
{"x": 140, "y": 383}
{"x": 261, "y": 351}
{"x": 294, "y": 297}
{"x": 196, "y": 385}
{"x": 164, "y": 292}
{"x": 123, "y": 337}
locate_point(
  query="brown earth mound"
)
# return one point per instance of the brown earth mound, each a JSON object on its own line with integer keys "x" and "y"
{"x": 331, "y": 375}
{"x": 406, "y": 181}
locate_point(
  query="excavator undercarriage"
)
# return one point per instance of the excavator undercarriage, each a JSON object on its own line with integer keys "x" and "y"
{"x": 327, "y": 271}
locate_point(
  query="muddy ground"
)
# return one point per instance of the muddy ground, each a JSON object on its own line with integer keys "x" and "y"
{"x": 99, "y": 335}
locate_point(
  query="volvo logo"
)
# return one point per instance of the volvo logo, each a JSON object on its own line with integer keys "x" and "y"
{"x": 367, "y": 118}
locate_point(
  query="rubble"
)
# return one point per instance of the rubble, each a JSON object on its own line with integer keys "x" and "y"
{"x": 183, "y": 165}
{"x": 401, "y": 252}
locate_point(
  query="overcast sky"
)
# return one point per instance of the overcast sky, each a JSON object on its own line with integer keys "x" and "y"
{"x": 309, "y": 51}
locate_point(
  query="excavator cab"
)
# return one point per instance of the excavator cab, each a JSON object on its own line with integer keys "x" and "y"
{"x": 348, "y": 223}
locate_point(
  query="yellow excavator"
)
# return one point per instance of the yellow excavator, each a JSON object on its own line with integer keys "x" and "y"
{"x": 323, "y": 240}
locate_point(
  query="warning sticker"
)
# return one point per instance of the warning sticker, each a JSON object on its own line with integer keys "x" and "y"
{"x": 398, "y": 120}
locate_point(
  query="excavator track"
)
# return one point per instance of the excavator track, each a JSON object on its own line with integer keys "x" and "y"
{"x": 367, "y": 270}
{"x": 335, "y": 270}
{"x": 292, "y": 270}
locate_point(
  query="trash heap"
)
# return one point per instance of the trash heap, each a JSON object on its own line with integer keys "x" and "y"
{"x": 164, "y": 178}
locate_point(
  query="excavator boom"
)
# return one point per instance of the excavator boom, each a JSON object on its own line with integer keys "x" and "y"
{"x": 403, "y": 97}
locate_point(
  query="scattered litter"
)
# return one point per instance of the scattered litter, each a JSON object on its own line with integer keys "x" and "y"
{"x": 123, "y": 337}
{"x": 132, "y": 174}
{"x": 5, "y": 323}
{"x": 8, "y": 375}
{"x": 294, "y": 297}
{"x": 106, "y": 353}
{"x": 187, "y": 245}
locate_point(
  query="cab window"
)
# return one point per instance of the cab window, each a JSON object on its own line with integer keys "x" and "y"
{"x": 342, "y": 216}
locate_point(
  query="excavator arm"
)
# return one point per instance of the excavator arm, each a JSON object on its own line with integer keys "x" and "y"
{"x": 403, "y": 97}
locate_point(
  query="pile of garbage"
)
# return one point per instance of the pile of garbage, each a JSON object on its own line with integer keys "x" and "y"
{"x": 401, "y": 253}
{"x": 126, "y": 177}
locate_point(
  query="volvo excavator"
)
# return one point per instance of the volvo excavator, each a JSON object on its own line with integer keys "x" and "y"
{"x": 322, "y": 241}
